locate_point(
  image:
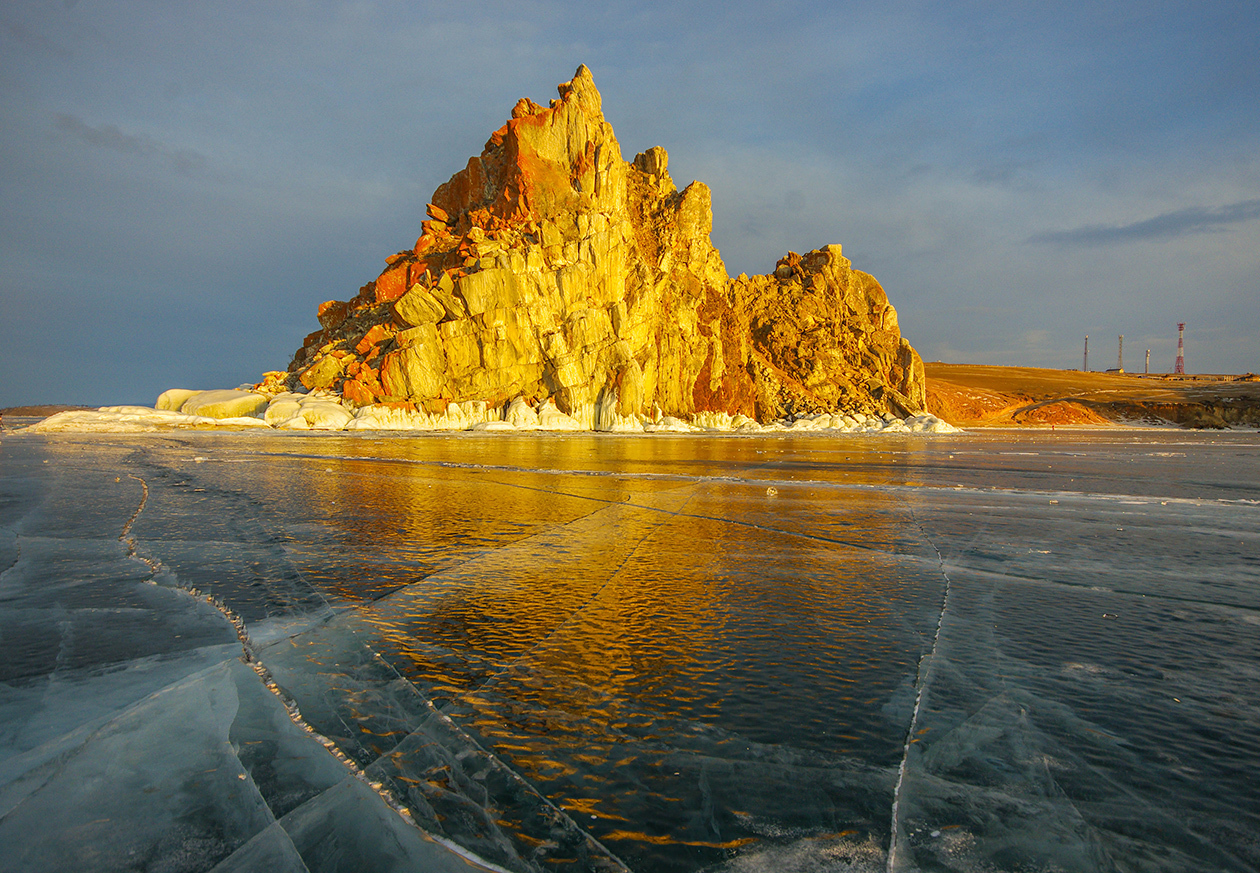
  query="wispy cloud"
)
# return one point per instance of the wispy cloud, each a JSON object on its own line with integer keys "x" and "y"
{"x": 108, "y": 136}
{"x": 33, "y": 39}
{"x": 1180, "y": 222}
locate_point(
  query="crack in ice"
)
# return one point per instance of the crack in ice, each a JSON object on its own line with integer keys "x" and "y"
{"x": 471, "y": 557}
{"x": 125, "y": 536}
{"x": 925, "y": 665}
{"x": 17, "y": 553}
{"x": 249, "y": 656}
{"x": 1014, "y": 578}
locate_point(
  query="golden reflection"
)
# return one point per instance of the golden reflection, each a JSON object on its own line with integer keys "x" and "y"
{"x": 587, "y": 806}
{"x": 659, "y": 840}
{"x": 616, "y": 617}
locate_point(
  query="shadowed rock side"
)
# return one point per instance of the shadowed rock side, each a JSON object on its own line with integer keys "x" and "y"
{"x": 552, "y": 269}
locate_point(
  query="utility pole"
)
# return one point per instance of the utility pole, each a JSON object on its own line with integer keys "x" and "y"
{"x": 1085, "y": 366}
{"x": 1181, "y": 349}
{"x": 1148, "y": 362}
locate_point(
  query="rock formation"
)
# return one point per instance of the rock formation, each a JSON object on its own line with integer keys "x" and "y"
{"x": 555, "y": 274}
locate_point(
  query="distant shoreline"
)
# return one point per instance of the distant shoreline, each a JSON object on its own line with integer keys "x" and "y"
{"x": 42, "y": 411}
{"x": 978, "y": 396}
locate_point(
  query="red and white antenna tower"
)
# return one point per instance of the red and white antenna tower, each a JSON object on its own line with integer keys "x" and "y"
{"x": 1181, "y": 349}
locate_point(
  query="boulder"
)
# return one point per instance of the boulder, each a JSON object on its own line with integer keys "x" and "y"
{"x": 418, "y": 306}
{"x": 325, "y": 415}
{"x": 173, "y": 398}
{"x": 224, "y": 403}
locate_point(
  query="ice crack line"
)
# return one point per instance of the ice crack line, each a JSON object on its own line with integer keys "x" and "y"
{"x": 125, "y": 536}
{"x": 155, "y": 567}
{"x": 925, "y": 666}
{"x": 17, "y": 553}
{"x": 249, "y": 656}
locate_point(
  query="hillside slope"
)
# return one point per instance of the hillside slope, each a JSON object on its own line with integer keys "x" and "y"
{"x": 969, "y": 395}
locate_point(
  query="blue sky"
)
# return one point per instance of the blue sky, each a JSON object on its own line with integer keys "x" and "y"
{"x": 181, "y": 184}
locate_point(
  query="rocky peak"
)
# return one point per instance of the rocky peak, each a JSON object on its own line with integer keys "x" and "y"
{"x": 542, "y": 163}
{"x": 552, "y": 271}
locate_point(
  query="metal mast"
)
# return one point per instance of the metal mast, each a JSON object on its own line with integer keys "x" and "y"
{"x": 1181, "y": 349}
{"x": 1120, "y": 355}
{"x": 1085, "y": 365}
{"x": 1148, "y": 361}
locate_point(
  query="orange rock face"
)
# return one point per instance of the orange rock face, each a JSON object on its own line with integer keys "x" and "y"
{"x": 375, "y": 334}
{"x": 549, "y": 267}
{"x": 542, "y": 162}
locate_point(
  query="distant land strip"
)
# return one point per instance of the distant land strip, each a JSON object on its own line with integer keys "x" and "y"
{"x": 971, "y": 396}
{"x": 40, "y": 411}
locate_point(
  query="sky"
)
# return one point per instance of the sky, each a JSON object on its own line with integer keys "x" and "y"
{"x": 182, "y": 184}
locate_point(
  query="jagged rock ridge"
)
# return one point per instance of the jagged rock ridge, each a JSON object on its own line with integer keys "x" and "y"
{"x": 551, "y": 269}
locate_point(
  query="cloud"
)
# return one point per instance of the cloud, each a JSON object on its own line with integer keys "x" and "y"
{"x": 1178, "y": 223}
{"x": 32, "y": 39}
{"x": 106, "y": 136}
{"x": 112, "y": 138}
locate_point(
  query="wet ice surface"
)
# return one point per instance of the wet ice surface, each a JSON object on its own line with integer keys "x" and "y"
{"x": 132, "y": 734}
{"x": 672, "y": 653}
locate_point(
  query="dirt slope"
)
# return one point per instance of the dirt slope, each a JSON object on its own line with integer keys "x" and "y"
{"x": 969, "y": 395}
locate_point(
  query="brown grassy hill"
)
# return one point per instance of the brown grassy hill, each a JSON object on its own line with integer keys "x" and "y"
{"x": 969, "y": 395}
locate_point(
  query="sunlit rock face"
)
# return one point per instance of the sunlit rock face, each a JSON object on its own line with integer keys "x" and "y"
{"x": 551, "y": 269}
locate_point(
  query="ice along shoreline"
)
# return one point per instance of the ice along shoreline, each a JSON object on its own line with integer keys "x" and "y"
{"x": 325, "y": 411}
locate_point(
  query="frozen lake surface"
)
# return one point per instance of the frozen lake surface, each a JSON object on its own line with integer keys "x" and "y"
{"x": 993, "y": 651}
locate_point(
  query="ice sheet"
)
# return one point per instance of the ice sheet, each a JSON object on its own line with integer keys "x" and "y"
{"x": 1083, "y": 709}
{"x": 687, "y": 653}
{"x": 133, "y": 735}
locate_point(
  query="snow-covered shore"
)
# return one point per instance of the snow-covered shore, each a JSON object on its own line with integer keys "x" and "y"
{"x": 320, "y": 411}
